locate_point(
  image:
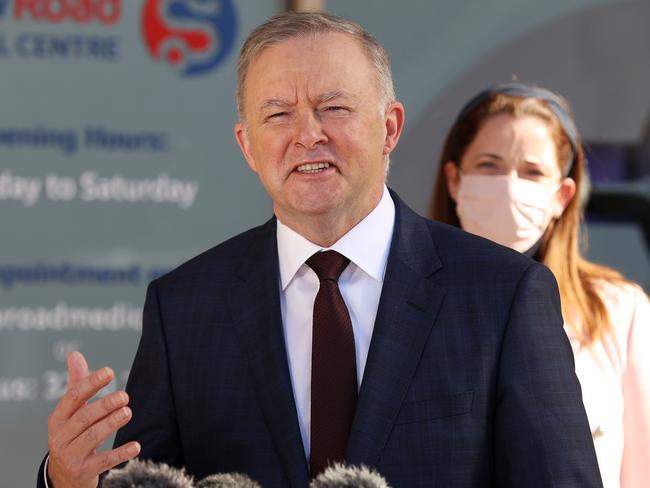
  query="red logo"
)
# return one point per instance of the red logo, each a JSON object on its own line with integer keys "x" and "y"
{"x": 107, "y": 12}
{"x": 194, "y": 36}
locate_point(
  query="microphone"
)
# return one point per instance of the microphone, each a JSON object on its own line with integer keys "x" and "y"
{"x": 147, "y": 474}
{"x": 227, "y": 480}
{"x": 341, "y": 476}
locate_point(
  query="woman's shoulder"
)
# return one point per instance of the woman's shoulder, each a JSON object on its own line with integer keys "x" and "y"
{"x": 620, "y": 294}
{"x": 628, "y": 308}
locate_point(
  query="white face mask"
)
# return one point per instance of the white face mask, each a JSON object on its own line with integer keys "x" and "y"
{"x": 511, "y": 211}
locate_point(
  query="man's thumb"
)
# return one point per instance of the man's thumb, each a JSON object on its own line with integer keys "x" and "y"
{"x": 77, "y": 367}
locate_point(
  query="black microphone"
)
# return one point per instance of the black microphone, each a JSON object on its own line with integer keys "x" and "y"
{"x": 341, "y": 476}
{"x": 227, "y": 480}
{"x": 147, "y": 474}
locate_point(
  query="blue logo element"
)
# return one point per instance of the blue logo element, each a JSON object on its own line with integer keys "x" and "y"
{"x": 3, "y": 7}
{"x": 194, "y": 36}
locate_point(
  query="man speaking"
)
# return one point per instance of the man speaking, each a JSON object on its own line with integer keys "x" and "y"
{"x": 346, "y": 328}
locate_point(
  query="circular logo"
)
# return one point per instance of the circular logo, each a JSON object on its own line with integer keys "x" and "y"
{"x": 192, "y": 36}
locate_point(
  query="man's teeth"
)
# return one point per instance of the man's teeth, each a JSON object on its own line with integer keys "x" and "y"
{"x": 312, "y": 167}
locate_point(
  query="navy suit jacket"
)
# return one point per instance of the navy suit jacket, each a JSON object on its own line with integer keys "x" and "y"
{"x": 468, "y": 383}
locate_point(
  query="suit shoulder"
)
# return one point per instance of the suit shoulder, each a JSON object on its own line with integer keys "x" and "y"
{"x": 455, "y": 245}
{"x": 222, "y": 259}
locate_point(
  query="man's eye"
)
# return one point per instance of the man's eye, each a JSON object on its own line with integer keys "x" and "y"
{"x": 276, "y": 116}
{"x": 335, "y": 108}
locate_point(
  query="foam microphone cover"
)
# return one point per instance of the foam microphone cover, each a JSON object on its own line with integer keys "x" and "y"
{"x": 147, "y": 474}
{"x": 227, "y": 480}
{"x": 341, "y": 476}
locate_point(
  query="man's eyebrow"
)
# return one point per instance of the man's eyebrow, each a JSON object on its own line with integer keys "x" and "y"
{"x": 331, "y": 95}
{"x": 274, "y": 102}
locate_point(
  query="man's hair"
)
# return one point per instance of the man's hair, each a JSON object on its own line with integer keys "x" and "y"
{"x": 290, "y": 25}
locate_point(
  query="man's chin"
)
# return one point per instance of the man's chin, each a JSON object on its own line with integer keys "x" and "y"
{"x": 311, "y": 210}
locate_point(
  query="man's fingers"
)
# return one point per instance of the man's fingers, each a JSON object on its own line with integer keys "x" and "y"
{"x": 66, "y": 471}
{"x": 75, "y": 454}
{"x": 90, "y": 414}
{"x": 77, "y": 367}
{"x": 103, "y": 461}
{"x": 79, "y": 393}
{"x": 92, "y": 437}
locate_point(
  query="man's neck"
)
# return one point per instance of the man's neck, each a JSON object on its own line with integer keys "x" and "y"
{"x": 325, "y": 229}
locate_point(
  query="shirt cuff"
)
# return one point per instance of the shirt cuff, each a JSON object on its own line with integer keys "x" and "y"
{"x": 47, "y": 460}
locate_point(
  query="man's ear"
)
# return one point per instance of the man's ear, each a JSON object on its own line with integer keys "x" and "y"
{"x": 241, "y": 134}
{"x": 394, "y": 120}
{"x": 565, "y": 193}
{"x": 452, "y": 175}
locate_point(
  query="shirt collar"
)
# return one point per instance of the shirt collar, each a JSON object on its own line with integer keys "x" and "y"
{"x": 367, "y": 244}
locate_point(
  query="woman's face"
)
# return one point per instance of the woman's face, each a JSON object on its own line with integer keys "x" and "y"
{"x": 515, "y": 146}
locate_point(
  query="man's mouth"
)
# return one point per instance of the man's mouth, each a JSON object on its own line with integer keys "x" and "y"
{"x": 312, "y": 167}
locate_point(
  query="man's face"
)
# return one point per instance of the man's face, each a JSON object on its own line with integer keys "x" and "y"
{"x": 315, "y": 130}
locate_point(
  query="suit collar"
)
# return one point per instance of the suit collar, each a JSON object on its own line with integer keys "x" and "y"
{"x": 407, "y": 311}
{"x": 255, "y": 306}
{"x": 412, "y": 241}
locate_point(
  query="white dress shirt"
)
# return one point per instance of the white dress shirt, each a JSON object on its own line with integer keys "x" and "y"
{"x": 366, "y": 245}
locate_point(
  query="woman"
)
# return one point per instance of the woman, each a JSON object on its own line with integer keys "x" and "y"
{"x": 509, "y": 171}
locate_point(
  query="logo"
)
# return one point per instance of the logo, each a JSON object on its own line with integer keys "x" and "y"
{"x": 192, "y": 36}
{"x": 106, "y": 12}
{"x": 68, "y": 41}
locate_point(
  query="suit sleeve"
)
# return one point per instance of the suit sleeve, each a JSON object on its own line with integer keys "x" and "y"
{"x": 635, "y": 471}
{"x": 149, "y": 387}
{"x": 542, "y": 437}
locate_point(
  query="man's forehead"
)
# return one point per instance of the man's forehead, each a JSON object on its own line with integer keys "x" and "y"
{"x": 314, "y": 57}
{"x": 315, "y": 39}
{"x": 310, "y": 49}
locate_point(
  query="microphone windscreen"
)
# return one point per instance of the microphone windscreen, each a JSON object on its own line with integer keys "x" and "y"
{"x": 341, "y": 476}
{"x": 227, "y": 480}
{"x": 147, "y": 474}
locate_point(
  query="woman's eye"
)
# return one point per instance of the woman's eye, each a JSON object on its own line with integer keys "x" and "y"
{"x": 486, "y": 165}
{"x": 535, "y": 173}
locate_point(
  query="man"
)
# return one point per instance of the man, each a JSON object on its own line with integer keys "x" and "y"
{"x": 465, "y": 377}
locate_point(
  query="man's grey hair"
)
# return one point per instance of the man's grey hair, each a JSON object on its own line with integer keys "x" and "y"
{"x": 290, "y": 25}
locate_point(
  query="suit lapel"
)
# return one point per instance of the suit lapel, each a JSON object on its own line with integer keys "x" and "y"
{"x": 407, "y": 311}
{"x": 255, "y": 305}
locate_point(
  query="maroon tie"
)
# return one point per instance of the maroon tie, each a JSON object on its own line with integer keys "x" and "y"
{"x": 333, "y": 365}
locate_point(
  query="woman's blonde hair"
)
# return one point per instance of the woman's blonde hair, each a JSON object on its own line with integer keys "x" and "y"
{"x": 583, "y": 309}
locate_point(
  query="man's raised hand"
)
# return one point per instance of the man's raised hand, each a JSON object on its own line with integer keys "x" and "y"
{"x": 76, "y": 428}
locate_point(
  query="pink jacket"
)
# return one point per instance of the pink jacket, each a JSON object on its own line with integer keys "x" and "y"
{"x": 615, "y": 378}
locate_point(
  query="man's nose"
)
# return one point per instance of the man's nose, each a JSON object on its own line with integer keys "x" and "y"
{"x": 309, "y": 131}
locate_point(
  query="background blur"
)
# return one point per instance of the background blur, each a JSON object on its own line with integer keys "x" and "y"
{"x": 118, "y": 162}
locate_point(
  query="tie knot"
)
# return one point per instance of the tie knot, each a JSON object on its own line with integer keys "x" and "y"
{"x": 328, "y": 265}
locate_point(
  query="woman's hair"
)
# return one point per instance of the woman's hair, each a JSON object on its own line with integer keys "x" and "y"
{"x": 583, "y": 309}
